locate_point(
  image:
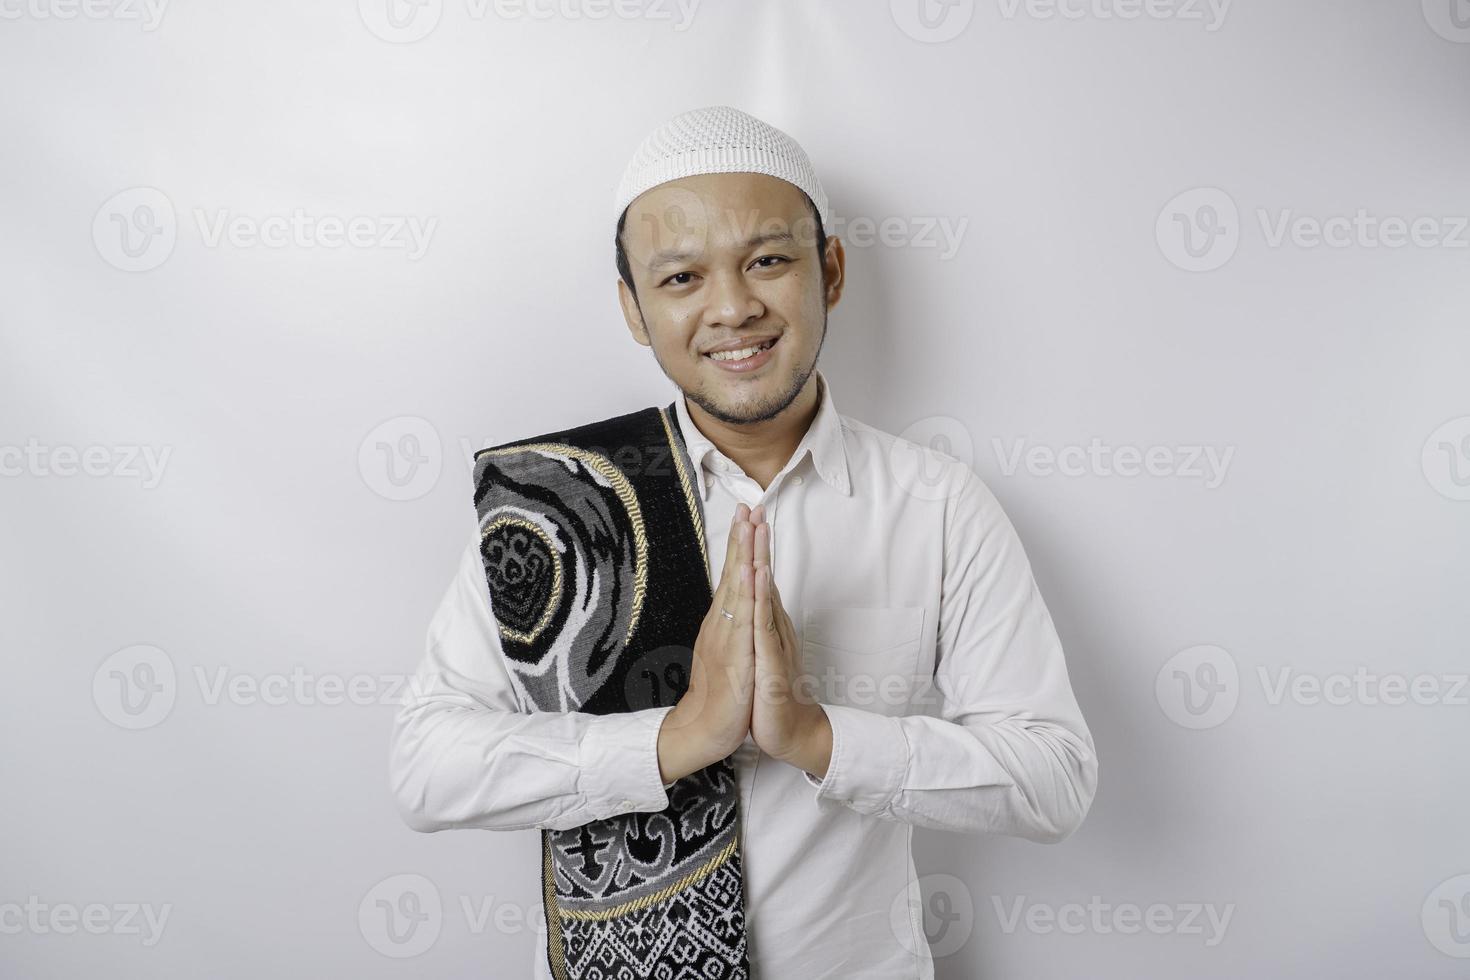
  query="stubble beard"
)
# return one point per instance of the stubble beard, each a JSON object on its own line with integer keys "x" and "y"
{"x": 758, "y": 413}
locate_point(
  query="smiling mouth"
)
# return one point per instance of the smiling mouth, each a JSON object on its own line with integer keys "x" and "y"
{"x": 743, "y": 353}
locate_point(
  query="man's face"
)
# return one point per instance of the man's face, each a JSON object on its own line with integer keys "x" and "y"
{"x": 727, "y": 261}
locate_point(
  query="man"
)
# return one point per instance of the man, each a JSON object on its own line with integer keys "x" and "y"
{"x": 869, "y": 652}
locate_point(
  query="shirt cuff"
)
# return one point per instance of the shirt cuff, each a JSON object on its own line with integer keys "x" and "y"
{"x": 619, "y": 764}
{"x": 870, "y": 755}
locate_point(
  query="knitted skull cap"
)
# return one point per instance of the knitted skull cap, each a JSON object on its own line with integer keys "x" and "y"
{"x": 718, "y": 139}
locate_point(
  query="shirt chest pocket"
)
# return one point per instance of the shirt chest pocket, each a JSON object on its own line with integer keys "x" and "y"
{"x": 863, "y": 657}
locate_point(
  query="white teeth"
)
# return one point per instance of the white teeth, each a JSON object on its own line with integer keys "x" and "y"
{"x": 739, "y": 355}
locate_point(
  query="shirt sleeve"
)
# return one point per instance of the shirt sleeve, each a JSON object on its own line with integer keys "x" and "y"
{"x": 1010, "y": 752}
{"x": 463, "y": 754}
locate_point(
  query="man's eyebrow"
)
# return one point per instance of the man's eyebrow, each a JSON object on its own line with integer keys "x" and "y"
{"x": 675, "y": 256}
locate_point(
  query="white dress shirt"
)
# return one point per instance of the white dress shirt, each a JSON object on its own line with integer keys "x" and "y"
{"x": 926, "y": 641}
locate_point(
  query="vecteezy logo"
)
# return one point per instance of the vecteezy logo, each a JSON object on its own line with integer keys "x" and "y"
{"x": 659, "y": 678}
{"x": 1198, "y": 687}
{"x": 135, "y": 230}
{"x": 135, "y": 687}
{"x": 1450, "y": 19}
{"x": 1199, "y": 230}
{"x": 401, "y": 459}
{"x": 401, "y": 916}
{"x": 944, "y": 919}
{"x": 925, "y": 475}
{"x": 1446, "y": 917}
{"x": 401, "y": 21}
{"x": 932, "y": 21}
{"x": 1446, "y": 459}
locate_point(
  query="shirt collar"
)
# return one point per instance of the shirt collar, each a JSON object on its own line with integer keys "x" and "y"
{"x": 823, "y": 440}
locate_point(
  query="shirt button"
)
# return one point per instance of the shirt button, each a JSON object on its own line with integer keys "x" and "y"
{"x": 796, "y": 480}
{"x": 627, "y": 803}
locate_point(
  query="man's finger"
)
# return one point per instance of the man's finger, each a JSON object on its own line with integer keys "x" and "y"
{"x": 762, "y": 546}
{"x": 783, "y": 619}
{"x": 729, "y": 583}
{"x": 747, "y": 579}
{"x": 762, "y": 559}
{"x": 766, "y": 640}
{"x": 745, "y": 602}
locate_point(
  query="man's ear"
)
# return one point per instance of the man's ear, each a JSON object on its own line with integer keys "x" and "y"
{"x": 835, "y": 263}
{"x": 632, "y": 314}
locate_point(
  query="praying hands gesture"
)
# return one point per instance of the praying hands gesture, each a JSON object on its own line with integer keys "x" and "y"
{"x": 745, "y": 673}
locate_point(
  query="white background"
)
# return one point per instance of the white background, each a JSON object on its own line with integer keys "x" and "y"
{"x": 1058, "y": 139}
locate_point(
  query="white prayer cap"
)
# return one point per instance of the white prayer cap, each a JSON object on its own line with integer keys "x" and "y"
{"x": 718, "y": 140}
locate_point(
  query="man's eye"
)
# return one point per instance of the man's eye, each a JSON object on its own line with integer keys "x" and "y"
{"x": 777, "y": 258}
{"x": 676, "y": 276}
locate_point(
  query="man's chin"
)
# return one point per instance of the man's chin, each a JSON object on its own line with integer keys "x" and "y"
{"x": 751, "y": 408}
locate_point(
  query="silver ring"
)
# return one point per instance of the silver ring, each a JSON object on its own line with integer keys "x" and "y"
{"x": 727, "y": 614}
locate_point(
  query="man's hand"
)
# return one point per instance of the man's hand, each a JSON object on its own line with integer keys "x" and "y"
{"x": 786, "y": 722}
{"x": 713, "y": 717}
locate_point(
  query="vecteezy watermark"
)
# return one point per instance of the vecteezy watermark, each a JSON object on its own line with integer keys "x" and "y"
{"x": 1208, "y": 464}
{"x": 1445, "y": 916}
{"x": 1210, "y": 13}
{"x": 931, "y": 458}
{"x": 922, "y": 459}
{"x": 937, "y": 910}
{"x": 1450, "y": 19}
{"x": 932, "y": 21}
{"x": 401, "y": 21}
{"x": 38, "y": 918}
{"x": 406, "y": 21}
{"x": 1201, "y": 686}
{"x": 401, "y": 916}
{"x": 137, "y": 229}
{"x": 660, "y": 677}
{"x": 680, "y": 227}
{"x": 902, "y": 231}
{"x": 1201, "y": 229}
{"x": 148, "y": 13}
{"x": 404, "y": 915}
{"x": 1446, "y": 459}
{"x": 1205, "y": 920}
{"x": 882, "y": 687}
{"x": 937, "y": 21}
{"x": 303, "y": 688}
{"x": 1198, "y": 687}
{"x": 1362, "y": 229}
{"x": 122, "y": 462}
{"x": 138, "y": 686}
{"x": 873, "y": 689}
{"x": 1362, "y": 686}
{"x": 401, "y": 459}
{"x": 629, "y": 459}
{"x": 679, "y": 14}
{"x": 298, "y": 228}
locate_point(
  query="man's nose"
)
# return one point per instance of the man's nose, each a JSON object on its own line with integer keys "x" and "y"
{"x": 731, "y": 301}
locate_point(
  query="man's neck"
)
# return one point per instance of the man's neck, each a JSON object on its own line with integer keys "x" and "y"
{"x": 762, "y": 448}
